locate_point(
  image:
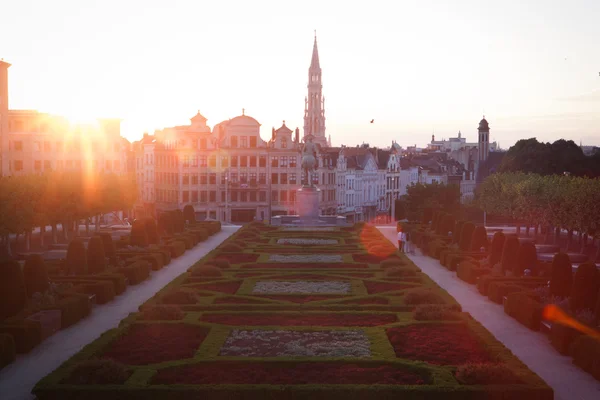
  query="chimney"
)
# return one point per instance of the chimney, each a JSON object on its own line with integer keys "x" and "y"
{"x": 273, "y": 134}
{"x": 297, "y": 138}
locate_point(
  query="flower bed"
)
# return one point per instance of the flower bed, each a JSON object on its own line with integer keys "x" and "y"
{"x": 221, "y": 287}
{"x": 268, "y": 287}
{"x": 297, "y": 299}
{"x": 380, "y": 287}
{"x": 305, "y": 258}
{"x": 300, "y": 265}
{"x": 295, "y": 319}
{"x": 259, "y": 343}
{"x": 307, "y": 242}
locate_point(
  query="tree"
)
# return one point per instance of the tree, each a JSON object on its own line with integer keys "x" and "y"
{"x": 436, "y": 196}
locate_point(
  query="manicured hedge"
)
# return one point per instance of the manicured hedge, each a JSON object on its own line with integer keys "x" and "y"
{"x": 35, "y": 275}
{"x": 8, "y": 351}
{"x": 13, "y": 294}
{"x": 96, "y": 256}
{"x": 584, "y": 291}
{"x": 510, "y": 253}
{"x": 562, "y": 275}
{"x": 76, "y": 261}
{"x": 496, "y": 248}
{"x": 465, "y": 236}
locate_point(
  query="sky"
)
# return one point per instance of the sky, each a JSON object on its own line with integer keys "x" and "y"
{"x": 415, "y": 66}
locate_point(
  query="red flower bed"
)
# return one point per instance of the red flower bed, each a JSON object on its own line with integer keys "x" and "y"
{"x": 380, "y": 287}
{"x": 442, "y": 344}
{"x": 371, "y": 258}
{"x": 155, "y": 343}
{"x": 367, "y": 300}
{"x": 236, "y": 300}
{"x": 248, "y": 274}
{"x": 300, "y": 319}
{"x": 359, "y": 274}
{"x": 237, "y": 258}
{"x": 305, "y": 265}
{"x": 273, "y": 373}
{"x": 297, "y": 298}
{"x": 221, "y": 287}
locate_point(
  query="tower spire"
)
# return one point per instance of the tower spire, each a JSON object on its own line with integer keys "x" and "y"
{"x": 314, "y": 62}
{"x": 314, "y": 108}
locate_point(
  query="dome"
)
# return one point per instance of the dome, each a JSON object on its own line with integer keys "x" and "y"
{"x": 483, "y": 125}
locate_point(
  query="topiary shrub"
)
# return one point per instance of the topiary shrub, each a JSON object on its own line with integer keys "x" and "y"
{"x": 437, "y": 312}
{"x": 13, "y": 294}
{"x": 98, "y": 372}
{"x": 509, "y": 253}
{"x": 178, "y": 221}
{"x": 597, "y": 310}
{"x": 207, "y": 271}
{"x": 109, "y": 246}
{"x": 76, "y": 261}
{"x": 465, "y": 236}
{"x": 486, "y": 374}
{"x": 496, "y": 248}
{"x": 584, "y": 291}
{"x": 189, "y": 215}
{"x": 165, "y": 224}
{"x": 479, "y": 238}
{"x": 561, "y": 279}
{"x": 138, "y": 235}
{"x": 8, "y": 350}
{"x": 457, "y": 231}
{"x": 35, "y": 275}
{"x": 422, "y": 296}
{"x": 95, "y": 255}
{"x": 447, "y": 225}
{"x": 151, "y": 230}
{"x": 179, "y": 297}
{"x": 526, "y": 259}
{"x": 162, "y": 313}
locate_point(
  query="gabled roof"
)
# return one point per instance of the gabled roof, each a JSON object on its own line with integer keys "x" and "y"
{"x": 283, "y": 129}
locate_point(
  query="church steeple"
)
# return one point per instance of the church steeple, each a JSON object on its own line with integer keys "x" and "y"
{"x": 314, "y": 108}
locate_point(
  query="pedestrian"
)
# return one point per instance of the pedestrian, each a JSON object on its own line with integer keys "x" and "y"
{"x": 408, "y": 243}
{"x": 401, "y": 240}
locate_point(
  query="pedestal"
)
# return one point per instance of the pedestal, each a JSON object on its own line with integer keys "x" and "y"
{"x": 307, "y": 203}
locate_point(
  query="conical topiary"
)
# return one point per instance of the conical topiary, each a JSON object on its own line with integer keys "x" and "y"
{"x": 562, "y": 275}
{"x": 165, "y": 224}
{"x": 76, "y": 261}
{"x": 457, "y": 231}
{"x": 109, "y": 245}
{"x": 95, "y": 255}
{"x": 138, "y": 235}
{"x": 496, "y": 250}
{"x": 151, "y": 230}
{"x": 465, "y": 236}
{"x": 178, "y": 221}
{"x": 584, "y": 291}
{"x": 13, "y": 295}
{"x": 448, "y": 225}
{"x": 35, "y": 275}
{"x": 479, "y": 238}
{"x": 509, "y": 253}
{"x": 526, "y": 259}
{"x": 189, "y": 215}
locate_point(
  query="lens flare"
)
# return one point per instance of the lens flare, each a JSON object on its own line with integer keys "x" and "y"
{"x": 554, "y": 314}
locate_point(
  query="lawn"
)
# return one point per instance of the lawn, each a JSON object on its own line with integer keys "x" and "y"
{"x": 280, "y": 314}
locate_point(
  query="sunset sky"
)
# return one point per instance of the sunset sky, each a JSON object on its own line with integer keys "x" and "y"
{"x": 415, "y": 66}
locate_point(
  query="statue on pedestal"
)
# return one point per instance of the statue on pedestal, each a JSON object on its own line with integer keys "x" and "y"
{"x": 309, "y": 160}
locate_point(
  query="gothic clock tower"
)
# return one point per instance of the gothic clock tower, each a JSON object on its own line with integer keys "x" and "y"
{"x": 314, "y": 107}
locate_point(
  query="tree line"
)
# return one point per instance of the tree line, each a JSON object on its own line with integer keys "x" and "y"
{"x": 65, "y": 198}
{"x": 545, "y": 202}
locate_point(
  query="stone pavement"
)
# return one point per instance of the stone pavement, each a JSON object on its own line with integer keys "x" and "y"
{"x": 18, "y": 378}
{"x": 533, "y": 348}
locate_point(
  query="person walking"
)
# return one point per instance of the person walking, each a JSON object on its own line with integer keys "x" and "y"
{"x": 401, "y": 240}
{"x": 407, "y": 243}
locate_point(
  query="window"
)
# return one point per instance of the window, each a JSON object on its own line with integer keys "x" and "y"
{"x": 194, "y": 196}
{"x": 186, "y": 161}
{"x": 243, "y": 197}
{"x": 203, "y": 197}
{"x": 253, "y": 178}
{"x": 284, "y": 178}
{"x": 252, "y": 161}
{"x": 212, "y": 178}
{"x": 223, "y": 196}
{"x": 234, "y": 142}
{"x": 243, "y": 161}
{"x": 274, "y": 161}
{"x": 252, "y": 196}
{"x": 212, "y": 161}
{"x": 186, "y": 179}
{"x": 203, "y": 179}
{"x": 117, "y": 165}
{"x": 47, "y": 146}
{"x": 253, "y": 142}
{"x": 186, "y": 196}
{"x": 262, "y": 196}
{"x": 293, "y": 161}
{"x": 274, "y": 178}
{"x": 194, "y": 161}
{"x": 37, "y": 146}
{"x": 243, "y": 177}
{"x": 18, "y": 146}
{"x": 224, "y": 161}
{"x": 212, "y": 196}
{"x": 18, "y": 165}
{"x": 202, "y": 161}
{"x": 194, "y": 179}
{"x": 243, "y": 141}
{"x": 37, "y": 165}
{"x": 292, "y": 178}
{"x": 234, "y": 195}
{"x": 293, "y": 196}
{"x": 60, "y": 146}
{"x": 47, "y": 165}
{"x": 284, "y": 195}
{"x": 202, "y": 143}
{"x": 262, "y": 178}
{"x": 274, "y": 196}
{"x": 223, "y": 178}
{"x": 283, "y": 162}
{"x": 234, "y": 161}
{"x": 262, "y": 161}
{"x": 284, "y": 143}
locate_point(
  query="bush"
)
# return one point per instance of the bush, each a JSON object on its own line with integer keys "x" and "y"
{"x": 189, "y": 215}
{"x": 497, "y": 246}
{"x": 178, "y": 221}
{"x": 165, "y": 224}
{"x": 219, "y": 263}
{"x": 103, "y": 289}
{"x": 76, "y": 261}
{"x": 179, "y": 297}
{"x": 394, "y": 262}
{"x": 137, "y": 272}
{"x": 422, "y": 296}
{"x": 486, "y": 374}
{"x": 526, "y": 259}
{"x": 138, "y": 236}
{"x": 446, "y": 225}
{"x": 8, "y": 351}
{"x": 95, "y": 255}
{"x": 586, "y": 354}
{"x": 562, "y": 336}
{"x": 466, "y": 235}
{"x": 437, "y": 312}
{"x": 151, "y": 230}
{"x": 525, "y": 307}
{"x": 162, "y": 313}
{"x": 207, "y": 271}
{"x": 468, "y": 271}
{"x": 109, "y": 246}
{"x": 584, "y": 291}
{"x": 35, "y": 275}
{"x": 562, "y": 275}
{"x": 457, "y": 231}
{"x": 232, "y": 248}
{"x": 98, "y": 372}
{"x": 509, "y": 253}
{"x": 26, "y": 334}
{"x": 395, "y": 272}
{"x": 13, "y": 294}
{"x": 479, "y": 238}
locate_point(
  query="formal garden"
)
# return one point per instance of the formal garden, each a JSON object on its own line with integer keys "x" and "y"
{"x": 40, "y": 295}
{"x": 545, "y": 279}
{"x": 292, "y": 312}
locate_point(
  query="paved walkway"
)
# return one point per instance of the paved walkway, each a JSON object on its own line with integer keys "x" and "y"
{"x": 533, "y": 348}
{"x": 18, "y": 378}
